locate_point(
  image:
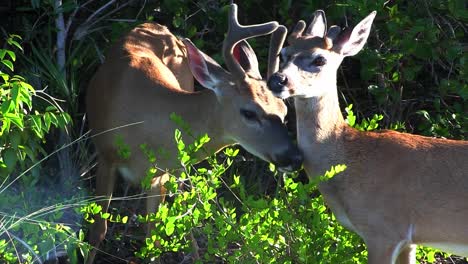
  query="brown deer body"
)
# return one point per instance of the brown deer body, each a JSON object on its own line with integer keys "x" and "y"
{"x": 398, "y": 189}
{"x": 148, "y": 75}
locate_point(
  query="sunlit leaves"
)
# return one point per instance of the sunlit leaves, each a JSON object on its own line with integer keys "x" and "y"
{"x": 23, "y": 128}
{"x": 288, "y": 227}
{"x": 367, "y": 124}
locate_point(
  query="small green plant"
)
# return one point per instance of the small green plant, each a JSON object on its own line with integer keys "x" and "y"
{"x": 174, "y": 221}
{"x": 366, "y": 124}
{"x": 90, "y": 210}
{"x": 123, "y": 150}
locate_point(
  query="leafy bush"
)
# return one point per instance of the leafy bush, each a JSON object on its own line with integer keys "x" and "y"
{"x": 288, "y": 227}
{"x": 23, "y": 127}
{"x": 414, "y": 64}
{"x": 28, "y": 231}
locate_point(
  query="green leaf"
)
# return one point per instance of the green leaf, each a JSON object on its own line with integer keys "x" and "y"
{"x": 29, "y": 152}
{"x": 95, "y": 209}
{"x": 170, "y": 226}
{"x": 272, "y": 167}
{"x": 5, "y": 77}
{"x": 37, "y": 125}
{"x": 27, "y": 86}
{"x": 51, "y": 108}
{"x": 13, "y": 42}
{"x": 15, "y": 139}
{"x": 236, "y": 180}
{"x": 63, "y": 119}
{"x": 8, "y": 63}
{"x": 47, "y": 120}
{"x": 15, "y": 119}
{"x": 10, "y": 158}
{"x": 5, "y": 126}
{"x": 105, "y": 215}
{"x": 53, "y": 119}
{"x": 177, "y": 22}
{"x": 185, "y": 159}
{"x": 7, "y": 107}
{"x": 350, "y": 118}
{"x": 395, "y": 77}
{"x": 15, "y": 91}
{"x": 424, "y": 113}
{"x": 11, "y": 54}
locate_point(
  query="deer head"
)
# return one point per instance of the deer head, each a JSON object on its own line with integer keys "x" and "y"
{"x": 244, "y": 95}
{"x": 314, "y": 55}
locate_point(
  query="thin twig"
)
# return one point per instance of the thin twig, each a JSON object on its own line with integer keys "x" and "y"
{"x": 102, "y": 8}
{"x": 72, "y": 16}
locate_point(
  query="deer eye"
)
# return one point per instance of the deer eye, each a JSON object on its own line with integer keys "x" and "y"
{"x": 249, "y": 115}
{"x": 319, "y": 61}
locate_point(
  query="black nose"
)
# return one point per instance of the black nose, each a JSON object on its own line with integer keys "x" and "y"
{"x": 292, "y": 161}
{"x": 277, "y": 82}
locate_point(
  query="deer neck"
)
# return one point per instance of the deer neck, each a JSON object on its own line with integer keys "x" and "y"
{"x": 206, "y": 120}
{"x": 320, "y": 126}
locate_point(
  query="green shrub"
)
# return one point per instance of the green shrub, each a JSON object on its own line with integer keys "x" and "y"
{"x": 290, "y": 226}
{"x": 414, "y": 65}
{"x": 23, "y": 131}
{"x": 23, "y": 128}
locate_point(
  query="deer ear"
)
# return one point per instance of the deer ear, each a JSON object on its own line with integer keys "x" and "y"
{"x": 350, "y": 43}
{"x": 318, "y": 26}
{"x": 204, "y": 69}
{"x": 245, "y": 56}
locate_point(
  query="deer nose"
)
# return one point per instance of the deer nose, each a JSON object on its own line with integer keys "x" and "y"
{"x": 291, "y": 161}
{"x": 277, "y": 82}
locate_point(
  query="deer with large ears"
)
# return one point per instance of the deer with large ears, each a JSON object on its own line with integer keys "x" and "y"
{"x": 398, "y": 189}
{"x": 148, "y": 75}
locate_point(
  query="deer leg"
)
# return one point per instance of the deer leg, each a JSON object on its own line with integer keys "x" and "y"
{"x": 155, "y": 195}
{"x": 407, "y": 255}
{"x": 383, "y": 251}
{"x": 105, "y": 179}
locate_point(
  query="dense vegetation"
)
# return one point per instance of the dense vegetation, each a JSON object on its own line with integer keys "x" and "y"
{"x": 412, "y": 76}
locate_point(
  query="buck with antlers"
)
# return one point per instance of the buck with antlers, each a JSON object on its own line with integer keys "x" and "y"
{"x": 398, "y": 189}
{"x": 149, "y": 75}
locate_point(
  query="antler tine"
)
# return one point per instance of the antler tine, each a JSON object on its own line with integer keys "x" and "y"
{"x": 297, "y": 31}
{"x": 237, "y": 33}
{"x": 276, "y": 43}
{"x": 333, "y": 32}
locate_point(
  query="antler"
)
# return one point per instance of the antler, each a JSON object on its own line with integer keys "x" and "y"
{"x": 237, "y": 33}
{"x": 276, "y": 43}
{"x": 297, "y": 32}
{"x": 317, "y": 29}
